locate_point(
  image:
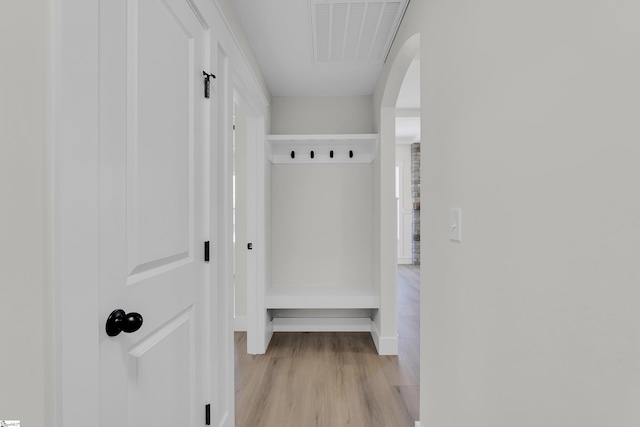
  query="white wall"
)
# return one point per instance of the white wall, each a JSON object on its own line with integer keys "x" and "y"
{"x": 321, "y": 224}
{"x": 26, "y": 319}
{"x": 530, "y": 125}
{"x": 268, "y": 215}
{"x": 240, "y": 37}
{"x": 321, "y": 214}
{"x": 321, "y": 115}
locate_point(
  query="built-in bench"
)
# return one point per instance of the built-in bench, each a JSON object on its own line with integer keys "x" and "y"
{"x": 321, "y": 299}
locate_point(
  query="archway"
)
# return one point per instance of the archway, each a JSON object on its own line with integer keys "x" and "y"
{"x": 384, "y": 198}
{"x": 385, "y": 174}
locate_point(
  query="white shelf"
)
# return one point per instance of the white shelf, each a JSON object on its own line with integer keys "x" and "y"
{"x": 362, "y": 146}
{"x": 322, "y": 297}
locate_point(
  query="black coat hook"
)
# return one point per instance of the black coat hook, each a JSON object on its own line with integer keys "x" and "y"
{"x": 350, "y": 154}
{"x": 331, "y": 154}
{"x": 207, "y": 83}
{"x": 293, "y": 154}
{"x": 312, "y": 154}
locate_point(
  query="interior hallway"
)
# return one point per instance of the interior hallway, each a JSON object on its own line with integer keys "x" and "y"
{"x": 334, "y": 379}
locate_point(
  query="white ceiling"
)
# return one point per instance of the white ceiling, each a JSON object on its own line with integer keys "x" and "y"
{"x": 287, "y": 37}
{"x": 283, "y": 34}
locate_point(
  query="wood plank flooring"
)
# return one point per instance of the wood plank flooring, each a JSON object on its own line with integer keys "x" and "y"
{"x": 333, "y": 379}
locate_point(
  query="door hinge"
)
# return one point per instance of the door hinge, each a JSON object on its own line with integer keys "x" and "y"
{"x": 207, "y": 83}
{"x": 207, "y": 414}
{"x": 206, "y": 251}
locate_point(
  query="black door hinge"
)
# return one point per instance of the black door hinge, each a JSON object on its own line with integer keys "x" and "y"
{"x": 206, "y": 251}
{"x": 207, "y": 83}
{"x": 207, "y": 414}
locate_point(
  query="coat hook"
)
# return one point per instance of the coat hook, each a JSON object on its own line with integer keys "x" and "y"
{"x": 350, "y": 154}
{"x": 331, "y": 154}
{"x": 207, "y": 83}
{"x": 312, "y": 154}
{"x": 293, "y": 154}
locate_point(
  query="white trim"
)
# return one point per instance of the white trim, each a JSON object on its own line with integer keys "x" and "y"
{"x": 417, "y": 424}
{"x": 386, "y": 346}
{"x": 246, "y": 86}
{"x": 259, "y": 331}
{"x": 75, "y": 216}
{"x": 363, "y": 147}
{"x": 405, "y": 261}
{"x": 242, "y": 54}
{"x": 240, "y": 323}
{"x": 220, "y": 227}
{"x": 257, "y": 328}
{"x": 322, "y": 324}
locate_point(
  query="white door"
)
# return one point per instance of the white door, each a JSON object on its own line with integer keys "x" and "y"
{"x": 153, "y": 212}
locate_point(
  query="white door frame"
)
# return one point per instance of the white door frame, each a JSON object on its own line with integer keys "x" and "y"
{"x": 222, "y": 246}
{"x": 75, "y": 57}
{"x": 259, "y": 329}
{"x": 75, "y": 211}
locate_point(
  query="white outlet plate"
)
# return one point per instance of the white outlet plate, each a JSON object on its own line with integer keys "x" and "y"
{"x": 455, "y": 231}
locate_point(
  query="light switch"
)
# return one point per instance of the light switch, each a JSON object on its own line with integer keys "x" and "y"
{"x": 455, "y": 234}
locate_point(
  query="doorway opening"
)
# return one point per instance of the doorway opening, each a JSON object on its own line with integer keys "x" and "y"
{"x": 399, "y": 128}
{"x": 407, "y": 150}
{"x": 407, "y": 138}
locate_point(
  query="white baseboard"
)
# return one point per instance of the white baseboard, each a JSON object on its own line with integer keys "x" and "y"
{"x": 240, "y": 324}
{"x": 386, "y": 346}
{"x": 323, "y": 324}
{"x": 417, "y": 424}
{"x": 405, "y": 260}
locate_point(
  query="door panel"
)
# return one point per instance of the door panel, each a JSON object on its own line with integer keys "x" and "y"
{"x": 153, "y": 211}
{"x": 164, "y": 399}
{"x": 160, "y": 122}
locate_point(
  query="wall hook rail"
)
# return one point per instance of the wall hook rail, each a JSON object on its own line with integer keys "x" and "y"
{"x": 312, "y": 154}
{"x": 322, "y": 148}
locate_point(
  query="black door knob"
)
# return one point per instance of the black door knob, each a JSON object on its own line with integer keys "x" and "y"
{"x": 119, "y": 321}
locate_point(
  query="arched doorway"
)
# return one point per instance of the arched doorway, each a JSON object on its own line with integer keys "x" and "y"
{"x": 406, "y": 306}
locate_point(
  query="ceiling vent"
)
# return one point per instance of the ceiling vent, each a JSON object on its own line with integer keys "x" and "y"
{"x": 354, "y": 31}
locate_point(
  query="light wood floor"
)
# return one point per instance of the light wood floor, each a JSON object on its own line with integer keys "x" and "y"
{"x": 333, "y": 379}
